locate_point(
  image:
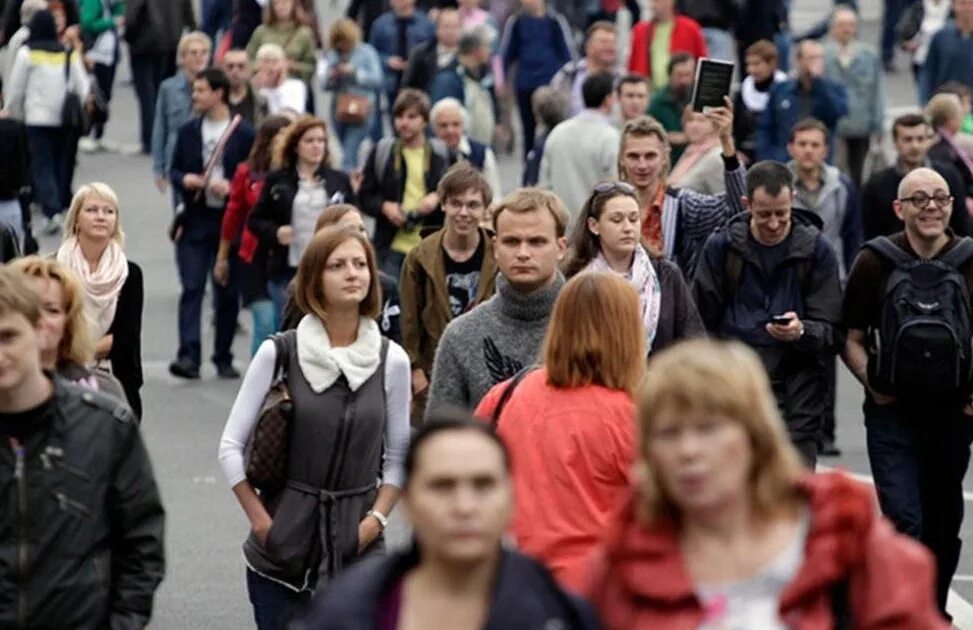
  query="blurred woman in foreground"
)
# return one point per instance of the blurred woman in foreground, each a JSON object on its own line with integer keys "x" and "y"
{"x": 725, "y": 529}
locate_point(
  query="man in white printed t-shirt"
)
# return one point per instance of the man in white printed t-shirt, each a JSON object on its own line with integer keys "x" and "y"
{"x": 207, "y": 153}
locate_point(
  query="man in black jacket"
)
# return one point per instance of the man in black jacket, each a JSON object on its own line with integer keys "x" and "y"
{"x": 770, "y": 279}
{"x": 911, "y": 134}
{"x": 152, "y": 30}
{"x": 208, "y": 150}
{"x": 458, "y": 494}
{"x": 430, "y": 57}
{"x": 81, "y": 531}
{"x": 400, "y": 179}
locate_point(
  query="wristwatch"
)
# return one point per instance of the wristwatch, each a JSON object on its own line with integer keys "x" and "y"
{"x": 378, "y": 516}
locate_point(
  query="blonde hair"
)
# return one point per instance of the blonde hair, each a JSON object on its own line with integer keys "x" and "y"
{"x": 270, "y": 52}
{"x": 596, "y": 335}
{"x": 344, "y": 32}
{"x": 195, "y": 37}
{"x": 105, "y": 193}
{"x": 527, "y": 200}
{"x": 942, "y": 108}
{"x": 726, "y": 379}
{"x": 76, "y": 345}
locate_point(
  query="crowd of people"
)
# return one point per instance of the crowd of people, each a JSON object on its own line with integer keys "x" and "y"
{"x": 627, "y": 365}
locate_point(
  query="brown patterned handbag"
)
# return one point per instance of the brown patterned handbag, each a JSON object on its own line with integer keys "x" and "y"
{"x": 267, "y": 459}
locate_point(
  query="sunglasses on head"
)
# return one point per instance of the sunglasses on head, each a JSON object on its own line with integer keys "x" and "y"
{"x": 602, "y": 188}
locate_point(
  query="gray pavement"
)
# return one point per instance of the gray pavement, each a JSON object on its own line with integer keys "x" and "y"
{"x": 204, "y": 586}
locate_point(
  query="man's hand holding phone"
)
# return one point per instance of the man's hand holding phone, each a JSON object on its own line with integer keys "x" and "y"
{"x": 787, "y": 327}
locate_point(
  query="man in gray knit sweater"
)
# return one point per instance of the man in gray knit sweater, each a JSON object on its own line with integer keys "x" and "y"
{"x": 496, "y": 339}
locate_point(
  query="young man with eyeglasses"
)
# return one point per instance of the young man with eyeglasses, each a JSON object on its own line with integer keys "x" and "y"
{"x": 447, "y": 274}
{"x": 918, "y": 434}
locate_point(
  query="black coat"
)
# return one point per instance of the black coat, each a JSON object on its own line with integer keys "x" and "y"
{"x": 390, "y": 186}
{"x": 679, "y": 318}
{"x": 423, "y": 66}
{"x": 126, "y": 330}
{"x": 275, "y": 207}
{"x": 93, "y": 554}
{"x": 525, "y": 597}
{"x": 11, "y": 17}
{"x": 155, "y": 26}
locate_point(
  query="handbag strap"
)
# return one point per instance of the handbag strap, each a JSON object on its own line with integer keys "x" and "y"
{"x": 282, "y": 360}
{"x": 507, "y": 393}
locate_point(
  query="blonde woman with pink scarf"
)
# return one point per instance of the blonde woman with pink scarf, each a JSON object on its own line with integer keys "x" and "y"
{"x": 93, "y": 248}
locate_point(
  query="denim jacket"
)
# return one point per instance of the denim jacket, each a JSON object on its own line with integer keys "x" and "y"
{"x": 385, "y": 35}
{"x": 173, "y": 108}
{"x": 865, "y": 81}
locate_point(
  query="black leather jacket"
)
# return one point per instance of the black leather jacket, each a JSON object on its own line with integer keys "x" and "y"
{"x": 81, "y": 523}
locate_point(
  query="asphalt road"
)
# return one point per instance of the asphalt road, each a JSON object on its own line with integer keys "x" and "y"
{"x": 204, "y": 586}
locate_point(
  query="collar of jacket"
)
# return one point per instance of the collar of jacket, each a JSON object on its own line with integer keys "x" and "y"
{"x": 430, "y": 257}
{"x": 805, "y": 230}
{"x": 648, "y": 560}
{"x": 830, "y": 181}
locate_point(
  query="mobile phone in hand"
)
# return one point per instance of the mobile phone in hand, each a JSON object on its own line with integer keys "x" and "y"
{"x": 780, "y": 320}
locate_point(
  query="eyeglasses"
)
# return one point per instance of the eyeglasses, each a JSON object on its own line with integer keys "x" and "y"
{"x": 921, "y": 200}
{"x": 625, "y": 188}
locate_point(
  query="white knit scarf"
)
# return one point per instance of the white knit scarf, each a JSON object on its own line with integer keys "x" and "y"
{"x": 754, "y": 99}
{"x": 322, "y": 364}
{"x": 101, "y": 286}
{"x": 643, "y": 277}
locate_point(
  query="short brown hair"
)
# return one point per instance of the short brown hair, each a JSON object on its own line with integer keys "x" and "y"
{"x": 16, "y": 297}
{"x": 460, "y": 178}
{"x": 533, "y": 200}
{"x": 596, "y": 335}
{"x": 285, "y": 154}
{"x": 765, "y": 49}
{"x": 308, "y": 288}
{"x": 908, "y": 121}
{"x": 76, "y": 343}
{"x": 410, "y": 98}
{"x": 344, "y": 34}
{"x": 809, "y": 124}
{"x": 642, "y": 127}
{"x": 600, "y": 25}
{"x": 333, "y": 214}
{"x": 717, "y": 378}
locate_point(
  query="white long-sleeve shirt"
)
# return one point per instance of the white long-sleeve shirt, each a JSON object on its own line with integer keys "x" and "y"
{"x": 256, "y": 383}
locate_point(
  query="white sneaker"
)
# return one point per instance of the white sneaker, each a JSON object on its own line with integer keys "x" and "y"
{"x": 53, "y": 225}
{"x": 89, "y": 145}
{"x": 111, "y": 147}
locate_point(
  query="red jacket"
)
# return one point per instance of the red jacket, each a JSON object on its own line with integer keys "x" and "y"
{"x": 572, "y": 452}
{"x": 639, "y": 581}
{"x": 687, "y": 36}
{"x": 244, "y": 193}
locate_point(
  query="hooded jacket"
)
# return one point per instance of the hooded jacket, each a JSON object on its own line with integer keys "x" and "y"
{"x": 741, "y": 312}
{"x": 524, "y": 597}
{"x": 640, "y": 581}
{"x": 839, "y": 209}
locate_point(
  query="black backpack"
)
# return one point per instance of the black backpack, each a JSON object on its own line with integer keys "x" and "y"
{"x": 922, "y": 346}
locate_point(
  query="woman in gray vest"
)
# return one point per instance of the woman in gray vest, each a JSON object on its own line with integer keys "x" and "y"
{"x": 348, "y": 435}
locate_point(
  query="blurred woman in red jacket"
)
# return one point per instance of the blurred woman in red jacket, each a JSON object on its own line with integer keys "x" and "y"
{"x": 570, "y": 425}
{"x": 245, "y": 189}
{"x": 726, "y": 531}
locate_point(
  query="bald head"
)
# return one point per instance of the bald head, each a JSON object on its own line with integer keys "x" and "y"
{"x": 921, "y": 179}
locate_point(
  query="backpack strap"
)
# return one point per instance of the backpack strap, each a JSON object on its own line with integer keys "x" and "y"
{"x": 732, "y": 272}
{"x": 383, "y": 153}
{"x": 507, "y": 393}
{"x": 884, "y": 247}
{"x": 959, "y": 254}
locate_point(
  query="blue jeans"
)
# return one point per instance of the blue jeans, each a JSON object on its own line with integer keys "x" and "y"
{"x": 216, "y": 18}
{"x": 11, "y": 214}
{"x": 195, "y": 255}
{"x": 148, "y": 72}
{"x": 274, "y": 605}
{"x": 351, "y": 138}
{"x": 919, "y": 456}
{"x": 719, "y": 43}
{"x": 49, "y": 151}
{"x": 265, "y": 322}
{"x": 391, "y": 263}
{"x": 277, "y": 287}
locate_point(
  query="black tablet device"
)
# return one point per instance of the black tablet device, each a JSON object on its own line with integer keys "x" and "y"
{"x": 713, "y": 79}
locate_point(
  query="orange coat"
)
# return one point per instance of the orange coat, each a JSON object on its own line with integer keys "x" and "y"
{"x": 638, "y": 580}
{"x": 572, "y": 452}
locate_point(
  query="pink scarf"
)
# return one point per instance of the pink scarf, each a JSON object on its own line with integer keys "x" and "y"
{"x": 645, "y": 280}
{"x": 101, "y": 285}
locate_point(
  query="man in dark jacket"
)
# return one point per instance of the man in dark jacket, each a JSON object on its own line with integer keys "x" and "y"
{"x": 430, "y": 57}
{"x": 458, "y": 493}
{"x": 152, "y": 30}
{"x": 81, "y": 531}
{"x": 770, "y": 279}
{"x": 809, "y": 95}
{"x": 11, "y": 17}
{"x": 910, "y": 134}
{"x": 400, "y": 180}
{"x": 208, "y": 150}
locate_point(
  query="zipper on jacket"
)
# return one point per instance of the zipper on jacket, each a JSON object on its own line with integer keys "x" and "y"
{"x": 20, "y": 476}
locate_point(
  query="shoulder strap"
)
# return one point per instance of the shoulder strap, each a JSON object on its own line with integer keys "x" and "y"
{"x": 733, "y": 270}
{"x": 507, "y": 393}
{"x": 383, "y": 152}
{"x": 282, "y": 346}
{"x": 884, "y": 247}
{"x": 960, "y": 253}
{"x": 67, "y": 68}
{"x": 840, "y": 606}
